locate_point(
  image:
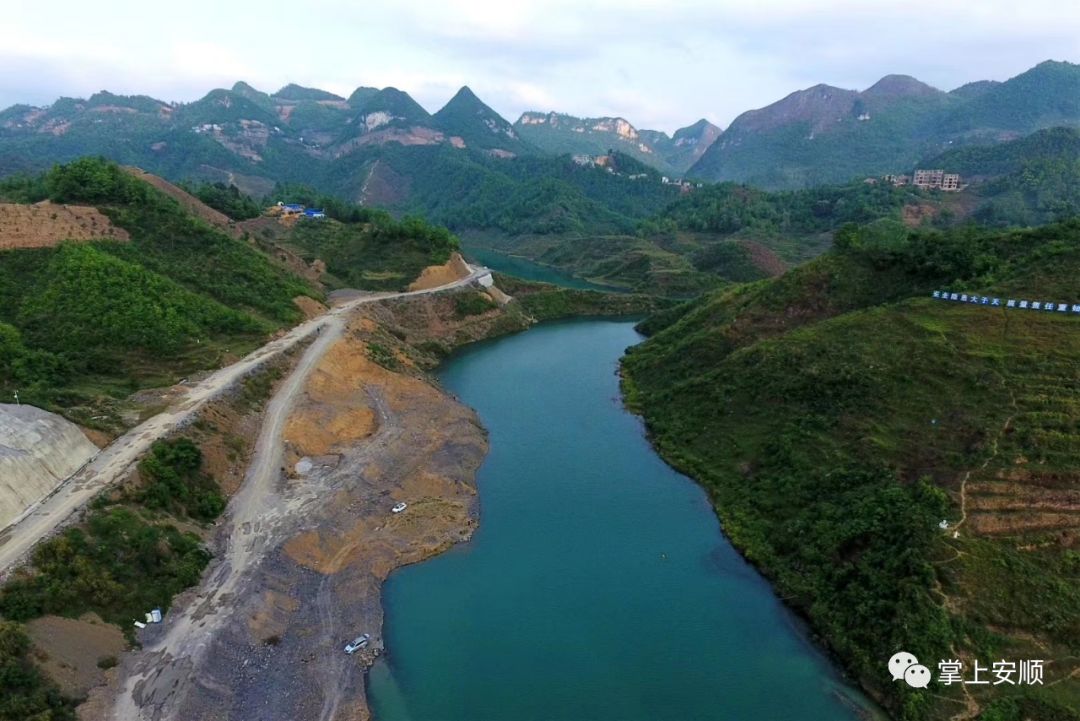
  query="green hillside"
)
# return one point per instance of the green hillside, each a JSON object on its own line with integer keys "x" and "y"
{"x": 84, "y": 325}
{"x": 362, "y": 247}
{"x": 716, "y": 234}
{"x": 837, "y": 414}
{"x": 467, "y": 117}
{"x": 1032, "y": 180}
{"x": 464, "y": 189}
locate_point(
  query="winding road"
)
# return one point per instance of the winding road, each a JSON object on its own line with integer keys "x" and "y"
{"x": 112, "y": 463}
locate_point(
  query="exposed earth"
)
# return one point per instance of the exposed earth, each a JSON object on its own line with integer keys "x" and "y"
{"x": 310, "y": 537}
{"x": 45, "y": 225}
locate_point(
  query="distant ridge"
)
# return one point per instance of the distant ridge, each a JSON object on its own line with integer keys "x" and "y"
{"x": 819, "y": 135}
{"x": 825, "y": 134}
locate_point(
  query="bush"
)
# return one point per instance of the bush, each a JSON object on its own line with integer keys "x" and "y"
{"x": 174, "y": 481}
{"x": 383, "y": 356}
{"x": 25, "y": 693}
{"x": 472, "y": 303}
{"x": 118, "y": 565}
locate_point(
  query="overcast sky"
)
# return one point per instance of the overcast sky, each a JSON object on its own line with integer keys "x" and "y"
{"x": 660, "y": 64}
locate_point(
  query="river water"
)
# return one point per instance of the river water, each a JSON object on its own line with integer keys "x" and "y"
{"x": 598, "y": 586}
{"x": 528, "y": 270}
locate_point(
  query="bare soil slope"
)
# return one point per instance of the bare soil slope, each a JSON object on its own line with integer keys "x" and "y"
{"x": 45, "y": 225}
{"x": 435, "y": 275}
{"x": 189, "y": 201}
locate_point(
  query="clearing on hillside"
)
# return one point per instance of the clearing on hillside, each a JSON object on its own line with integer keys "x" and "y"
{"x": 45, "y": 225}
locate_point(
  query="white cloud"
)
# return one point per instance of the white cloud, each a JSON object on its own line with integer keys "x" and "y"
{"x": 659, "y": 64}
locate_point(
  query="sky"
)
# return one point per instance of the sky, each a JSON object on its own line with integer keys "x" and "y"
{"x": 660, "y": 64}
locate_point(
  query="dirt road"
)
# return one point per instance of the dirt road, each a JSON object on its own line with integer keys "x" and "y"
{"x": 113, "y": 462}
{"x": 303, "y": 554}
{"x": 253, "y": 513}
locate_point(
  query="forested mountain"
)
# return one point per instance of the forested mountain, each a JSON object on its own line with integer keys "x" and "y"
{"x": 559, "y": 133}
{"x": 858, "y": 412}
{"x": 825, "y": 134}
{"x": 252, "y": 139}
{"x": 465, "y": 116}
{"x": 608, "y": 216}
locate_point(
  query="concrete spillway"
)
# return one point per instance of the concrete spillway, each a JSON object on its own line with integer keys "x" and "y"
{"x": 38, "y": 450}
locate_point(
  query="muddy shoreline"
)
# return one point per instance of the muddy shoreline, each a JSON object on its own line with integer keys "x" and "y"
{"x": 299, "y": 560}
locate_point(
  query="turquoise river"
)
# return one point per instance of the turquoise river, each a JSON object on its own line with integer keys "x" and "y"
{"x": 599, "y": 586}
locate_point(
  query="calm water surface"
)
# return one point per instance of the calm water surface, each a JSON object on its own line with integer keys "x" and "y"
{"x": 528, "y": 270}
{"x": 598, "y": 586}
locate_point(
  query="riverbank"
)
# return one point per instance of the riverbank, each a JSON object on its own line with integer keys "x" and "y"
{"x": 299, "y": 563}
{"x": 368, "y": 427}
{"x": 599, "y": 585}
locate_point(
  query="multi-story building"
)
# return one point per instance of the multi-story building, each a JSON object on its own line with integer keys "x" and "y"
{"x": 928, "y": 178}
{"x": 936, "y": 180}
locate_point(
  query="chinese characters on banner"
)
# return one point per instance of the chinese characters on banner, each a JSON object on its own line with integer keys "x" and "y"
{"x": 1043, "y": 305}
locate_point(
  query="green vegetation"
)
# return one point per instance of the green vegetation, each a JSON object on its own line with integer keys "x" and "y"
{"x": 825, "y": 135}
{"x": 468, "y": 118}
{"x": 716, "y": 235}
{"x": 174, "y": 482}
{"x": 852, "y": 408}
{"x": 1032, "y": 180}
{"x": 169, "y": 241}
{"x": 465, "y": 189}
{"x": 562, "y": 136}
{"x": 28, "y": 695}
{"x": 544, "y": 301}
{"x": 82, "y": 321}
{"x": 728, "y": 208}
{"x": 92, "y": 304}
{"x": 378, "y": 253}
{"x": 124, "y": 558}
{"x": 118, "y": 565}
{"x": 226, "y": 198}
{"x": 383, "y": 355}
{"x": 471, "y": 303}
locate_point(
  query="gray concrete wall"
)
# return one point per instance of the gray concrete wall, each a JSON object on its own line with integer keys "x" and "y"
{"x": 38, "y": 450}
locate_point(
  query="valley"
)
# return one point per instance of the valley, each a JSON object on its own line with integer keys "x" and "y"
{"x": 570, "y": 418}
{"x": 587, "y": 186}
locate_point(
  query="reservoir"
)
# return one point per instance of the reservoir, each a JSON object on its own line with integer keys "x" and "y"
{"x": 528, "y": 270}
{"x": 598, "y": 586}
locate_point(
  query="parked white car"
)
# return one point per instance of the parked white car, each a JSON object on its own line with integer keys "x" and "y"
{"x": 399, "y": 507}
{"x": 357, "y": 643}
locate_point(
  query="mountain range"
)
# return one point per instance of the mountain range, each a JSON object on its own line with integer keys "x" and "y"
{"x": 368, "y": 146}
{"x": 826, "y": 134}
{"x": 560, "y": 133}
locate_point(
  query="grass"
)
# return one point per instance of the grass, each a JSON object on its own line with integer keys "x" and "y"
{"x": 543, "y": 301}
